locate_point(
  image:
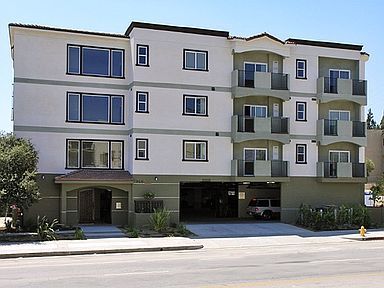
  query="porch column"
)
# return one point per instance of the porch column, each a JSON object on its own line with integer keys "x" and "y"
{"x": 63, "y": 206}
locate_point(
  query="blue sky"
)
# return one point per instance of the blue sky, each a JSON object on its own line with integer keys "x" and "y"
{"x": 348, "y": 21}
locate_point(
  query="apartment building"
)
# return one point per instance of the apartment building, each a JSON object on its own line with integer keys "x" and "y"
{"x": 204, "y": 120}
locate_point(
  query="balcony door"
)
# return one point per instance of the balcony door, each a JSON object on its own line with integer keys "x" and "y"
{"x": 253, "y": 111}
{"x": 337, "y": 157}
{"x": 333, "y": 75}
{"x": 249, "y": 72}
{"x": 250, "y": 156}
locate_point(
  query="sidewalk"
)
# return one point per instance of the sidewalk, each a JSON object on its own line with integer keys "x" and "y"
{"x": 127, "y": 245}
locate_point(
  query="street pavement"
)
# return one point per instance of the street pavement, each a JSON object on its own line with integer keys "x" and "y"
{"x": 212, "y": 236}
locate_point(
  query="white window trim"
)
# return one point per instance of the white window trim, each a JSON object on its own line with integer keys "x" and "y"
{"x": 195, "y": 98}
{"x": 254, "y": 151}
{"x": 339, "y": 151}
{"x": 145, "y": 55}
{"x": 195, "y": 58}
{"x": 195, "y": 143}
{"x": 139, "y": 102}
{"x": 257, "y": 63}
{"x": 145, "y": 149}
{"x": 256, "y": 106}
{"x": 109, "y": 61}
{"x": 340, "y": 70}
{"x": 301, "y": 69}
{"x": 78, "y": 154}
{"x": 304, "y": 104}
{"x": 304, "y": 153}
{"x": 79, "y": 50}
{"x": 122, "y": 64}
{"x": 338, "y": 111}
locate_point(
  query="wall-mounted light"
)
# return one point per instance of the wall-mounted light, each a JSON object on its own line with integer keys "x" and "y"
{"x": 156, "y": 178}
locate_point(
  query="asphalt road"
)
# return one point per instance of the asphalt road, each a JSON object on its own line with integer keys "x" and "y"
{"x": 350, "y": 264}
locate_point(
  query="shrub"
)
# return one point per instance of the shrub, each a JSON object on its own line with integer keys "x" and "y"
{"x": 45, "y": 229}
{"x": 79, "y": 234}
{"x": 149, "y": 195}
{"x": 182, "y": 230}
{"x": 332, "y": 217}
{"x": 159, "y": 220}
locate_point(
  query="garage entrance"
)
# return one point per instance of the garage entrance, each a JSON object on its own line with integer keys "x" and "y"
{"x": 208, "y": 200}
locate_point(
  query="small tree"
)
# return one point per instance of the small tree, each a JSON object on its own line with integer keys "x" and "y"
{"x": 371, "y": 123}
{"x": 18, "y": 161}
{"x": 370, "y": 166}
{"x": 382, "y": 123}
{"x": 377, "y": 190}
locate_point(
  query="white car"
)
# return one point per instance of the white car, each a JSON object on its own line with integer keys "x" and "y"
{"x": 265, "y": 208}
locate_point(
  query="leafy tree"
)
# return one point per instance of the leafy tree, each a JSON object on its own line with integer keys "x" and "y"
{"x": 382, "y": 123}
{"x": 370, "y": 166}
{"x": 377, "y": 190}
{"x": 18, "y": 161}
{"x": 371, "y": 123}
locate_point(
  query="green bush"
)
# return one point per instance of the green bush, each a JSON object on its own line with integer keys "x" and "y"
{"x": 159, "y": 220}
{"x": 79, "y": 234}
{"x": 45, "y": 229}
{"x": 332, "y": 217}
{"x": 182, "y": 230}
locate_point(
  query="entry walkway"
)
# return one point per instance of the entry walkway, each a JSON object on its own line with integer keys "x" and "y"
{"x": 247, "y": 229}
{"x": 101, "y": 231}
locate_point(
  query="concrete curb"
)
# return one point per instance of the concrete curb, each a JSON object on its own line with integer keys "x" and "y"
{"x": 99, "y": 251}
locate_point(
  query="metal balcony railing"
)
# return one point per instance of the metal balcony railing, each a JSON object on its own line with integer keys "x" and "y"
{"x": 331, "y": 169}
{"x": 358, "y": 129}
{"x": 330, "y": 127}
{"x": 358, "y": 169}
{"x": 359, "y": 87}
{"x": 277, "y": 124}
{"x": 277, "y": 168}
{"x": 279, "y": 81}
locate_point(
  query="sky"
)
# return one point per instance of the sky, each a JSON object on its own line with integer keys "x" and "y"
{"x": 345, "y": 21}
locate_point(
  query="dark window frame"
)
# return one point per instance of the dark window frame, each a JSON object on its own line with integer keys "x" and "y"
{"x": 305, "y": 111}
{"x": 81, "y": 153}
{"x": 195, "y": 114}
{"x": 305, "y": 154}
{"x": 195, "y": 51}
{"x": 81, "y": 94}
{"x": 137, "y": 101}
{"x": 146, "y": 141}
{"x": 137, "y": 55}
{"x": 305, "y": 69}
{"x": 195, "y": 160}
{"x": 81, "y": 47}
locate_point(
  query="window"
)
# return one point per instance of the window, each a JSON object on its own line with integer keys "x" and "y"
{"x": 195, "y": 150}
{"x": 95, "y": 108}
{"x": 339, "y": 156}
{"x": 195, "y": 60}
{"x": 301, "y": 154}
{"x": 301, "y": 69}
{"x": 255, "y": 67}
{"x": 195, "y": 105}
{"x": 301, "y": 111}
{"x": 255, "y": 154}
{"x": 258, "y": 111}
{"x": 102, "y": 154}
{"x": 142, "y": 149}
{"x": 142, "y": 55}
{"x": 95, "y": 61}
{"x": 141, "y": 102}
{"x": 339, "y": 115}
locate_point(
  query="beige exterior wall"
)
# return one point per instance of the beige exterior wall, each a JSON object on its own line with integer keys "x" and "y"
{"x": 375, "y": 152}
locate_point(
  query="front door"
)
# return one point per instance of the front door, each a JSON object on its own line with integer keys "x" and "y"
{"x": 87, "y": 206}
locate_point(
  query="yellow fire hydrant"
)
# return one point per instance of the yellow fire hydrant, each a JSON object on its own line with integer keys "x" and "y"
{"x": 362, "y": 231}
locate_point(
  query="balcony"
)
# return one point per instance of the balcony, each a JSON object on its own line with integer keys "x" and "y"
{"x": 341, "y": 172}
{"x": 333, "y": 89}
{"x": 332, "y": 131}
{"x": 249, "y": 83}
{"x": 268, "y": 169}
{"x": 245, "y": 128}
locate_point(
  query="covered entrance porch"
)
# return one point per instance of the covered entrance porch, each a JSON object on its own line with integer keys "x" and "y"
{"x": 95, "y": 197}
